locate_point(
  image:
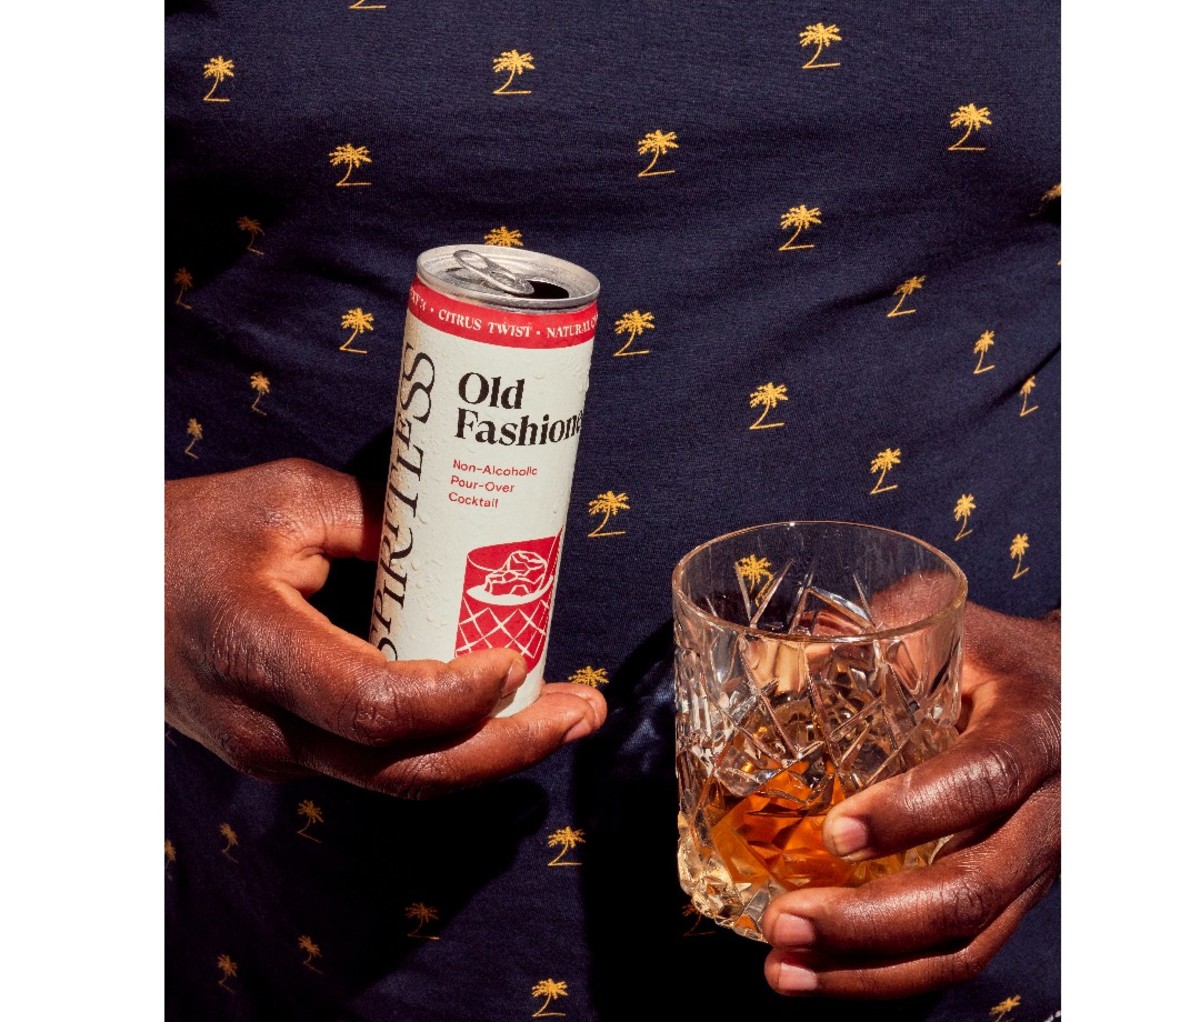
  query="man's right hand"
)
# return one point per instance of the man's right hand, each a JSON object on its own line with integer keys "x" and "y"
{"x": 262, "y": 679}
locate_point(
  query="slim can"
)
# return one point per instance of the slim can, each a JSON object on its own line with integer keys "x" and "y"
{"x": 497, "y": 347}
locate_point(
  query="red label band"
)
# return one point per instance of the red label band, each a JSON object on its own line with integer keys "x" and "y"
{"x": 501, "y": 327}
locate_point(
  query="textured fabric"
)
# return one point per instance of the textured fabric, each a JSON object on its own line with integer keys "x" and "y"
{"x": 873, "y": 238}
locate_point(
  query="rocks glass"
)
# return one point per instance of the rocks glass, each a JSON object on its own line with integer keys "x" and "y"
{"x": 811, "y": 660}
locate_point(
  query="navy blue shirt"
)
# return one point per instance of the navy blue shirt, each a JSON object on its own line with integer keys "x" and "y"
{"x": 855, "y": 206}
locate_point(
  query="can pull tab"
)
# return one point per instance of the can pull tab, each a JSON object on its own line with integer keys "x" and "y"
{"x": 493, "y": 273}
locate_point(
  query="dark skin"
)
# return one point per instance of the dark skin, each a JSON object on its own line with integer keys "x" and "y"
{"x": 264, "y": 681}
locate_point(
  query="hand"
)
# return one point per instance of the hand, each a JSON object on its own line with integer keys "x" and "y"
{"x": 269, "y": 684}
{"x": 996, "y": 791}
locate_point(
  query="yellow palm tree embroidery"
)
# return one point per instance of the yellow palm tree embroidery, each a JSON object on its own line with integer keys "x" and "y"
{"x": 228, "y": 969}
{"x": 885, "y": 459}
{"x": 1005, "y": 1006}
{"x": 589, "y": 675}
{"x": 231, "y": 840}
{"x": 972, "y": 118}
{"x": 904, "y": 290}
{"x": 196, "y": 432}
{"x": 254, "y": 228}
{"x": 568, "y": 837}
{"x": 768, "y": 395}
{"x": 312, "y": 814}
{"x": 504, "y": 238}
{"x": 695, "y": 931}
{"x": 1025, "y": 391}
{"x": 962, "y": 511}
{"x": 986, "y": 340}
{"x": 358, "y": 5}
{"x": 820, "y": 36}
{"x": 184, "y": 280}
{"x": 634, "y": 323}
{"x": 218, "y": 69}
{"x": 261, "y": 386}
{"x": 169, "y": 849}
{"x": 552, "y": 990}
{"x": 515, "y": 63}
{"x": 1018, "y": 549}
{"x": 801, "y": 218}
{"x": 356, "y": 321}
{"x": 656, "y": 142}
{"x": 422, "y": 914}
{"x": 312, "y": 950}
{"x": 607, "y": 504}
{"x": 353, "y": 156}
{"x": 754, "y": 571}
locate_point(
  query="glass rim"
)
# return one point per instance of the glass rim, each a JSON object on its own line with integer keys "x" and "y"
{"x": 956, "y": 602}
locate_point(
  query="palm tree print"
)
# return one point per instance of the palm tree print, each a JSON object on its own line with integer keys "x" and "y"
{"x": 801, "y": 218}
{"x": 312, "y": 814}
{"x": 568, "y": 838}
{"x": 754, "y": 571}
{"x": 196, "y": 432}
{"x": 1025, "y": 391}
{"x": 515, "y": 63}
{"x": 358, "y": 5}
{"x": 986, "y": 340}
{"x": 656, "y": 142}
{"x": 311, "y": 949}
{"x": 768, "y": 395}
{"x": 1017, "y": 549}
{"x": 261, "y": 387}
{"x": 422, "y": 914}
{"x": 503, "y": 238}
{"x": 353, "y": 156}
{"x": 593, "y": 676}
{"x": 356, "y": 321}
{"x": 231, "y": 840}
{"x": 904, "y": 290}
{"x": 552, "y": 990}
{"x": 184, "y": 280}
{"x": 634, "y": 323}
{"x": 169, "y": 849}
{"x": 218, "y": 69}
{"x": 228, "y": 969}
{"x": 1004, "y": 1007}
{"x": 972, "y": 118}
{"x": 607, "y": 504}
{"x": 820, "y": 36}
{"x": 962, "y": 511}
{"x": 884, "y": 460}
{"x": 254, "y": 229}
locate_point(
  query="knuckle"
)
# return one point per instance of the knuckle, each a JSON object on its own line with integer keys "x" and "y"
{"x": 375, "y": 712}
{"x": 241, "y": 748}
{"x": 969, "y": 904}
{"x": 963, "y": 965}
{"x": 1000, "y": 777}
{"x": 421, "y": 777}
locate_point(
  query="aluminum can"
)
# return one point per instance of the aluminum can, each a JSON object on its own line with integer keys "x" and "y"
{"x": 494, "y": 371}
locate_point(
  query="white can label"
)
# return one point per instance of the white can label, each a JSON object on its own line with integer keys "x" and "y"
{"x": 488, "y": 415}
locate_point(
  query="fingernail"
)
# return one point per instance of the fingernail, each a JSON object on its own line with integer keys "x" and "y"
{"x": 583, "y": 726}
{"x": 795, "y": 978}
{"x": 516, "y": 675}
{"x": 793, "y": 931}
{"x": 845, "y": 835}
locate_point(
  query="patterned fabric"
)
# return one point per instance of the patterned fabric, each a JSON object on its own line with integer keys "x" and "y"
{"x": 827, "y": 239}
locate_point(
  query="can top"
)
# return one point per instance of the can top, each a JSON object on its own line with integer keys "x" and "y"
{"x": 507, "y": 278}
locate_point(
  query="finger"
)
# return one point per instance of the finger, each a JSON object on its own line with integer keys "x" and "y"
{"x": 954, "y": 899}
{"x": 795, "y": 974}
{"x": 284, "y": 652}
{"x": 1009, "y": 749}
{"x": 498, "y": 747}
